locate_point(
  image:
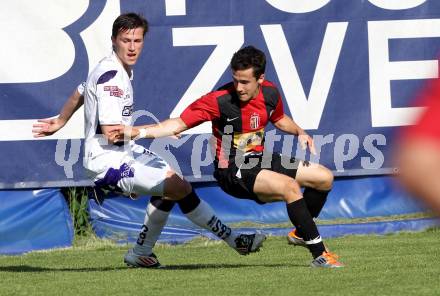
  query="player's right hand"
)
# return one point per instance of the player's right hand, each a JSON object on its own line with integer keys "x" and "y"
{"x": 46, "y": 127}
{"x": 307, "y": 141}
{"x": 118, "y": 133}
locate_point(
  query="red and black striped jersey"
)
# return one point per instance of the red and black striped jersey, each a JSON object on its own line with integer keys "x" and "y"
{"x": 238, "y": 127}
{"x": 427, "y": 125}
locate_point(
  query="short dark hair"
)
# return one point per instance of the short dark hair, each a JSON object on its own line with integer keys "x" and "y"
{"x": 249, "y": 57}
{"x": 128, "y": 21}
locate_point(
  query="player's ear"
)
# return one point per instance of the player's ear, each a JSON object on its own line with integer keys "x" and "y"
{"x": 260, "y": 79}
{"x": 113, "y": 42}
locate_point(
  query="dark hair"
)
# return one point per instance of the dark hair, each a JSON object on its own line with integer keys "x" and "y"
{"x": 129, "y": 21}
{"x": 249, "y": 57}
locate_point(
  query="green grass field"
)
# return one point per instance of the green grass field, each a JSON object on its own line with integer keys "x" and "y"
{"x": 398, "y": 264}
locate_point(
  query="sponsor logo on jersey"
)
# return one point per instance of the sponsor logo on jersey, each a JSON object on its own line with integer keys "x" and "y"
{"x": 255, "y": 121}
{"x": 114, "y": 91}
{"x": 231, "y": 119}
{"x": 248, "y": 141}
{"x": 127, "y": 111}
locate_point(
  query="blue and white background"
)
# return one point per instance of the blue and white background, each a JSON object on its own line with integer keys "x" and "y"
{"x": 348, "y": 71}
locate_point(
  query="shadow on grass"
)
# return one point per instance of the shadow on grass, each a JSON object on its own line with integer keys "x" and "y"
{"x": 27, "y": 268}
{"x": 216, "y": 266}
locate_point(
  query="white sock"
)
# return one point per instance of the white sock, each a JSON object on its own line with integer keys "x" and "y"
{"x": 203, "y": 215}
{"x": 154, "y": 222}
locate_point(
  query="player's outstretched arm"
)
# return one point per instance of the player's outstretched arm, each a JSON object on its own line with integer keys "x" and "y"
{"x": 286, "y": 124}
{"x": 48, "y": 126}
{"x": 169, "y": 127}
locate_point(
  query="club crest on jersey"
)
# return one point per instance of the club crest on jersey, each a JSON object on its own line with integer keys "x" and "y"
{"x": 255, "y": 121}
{"x": 114, "y": 91}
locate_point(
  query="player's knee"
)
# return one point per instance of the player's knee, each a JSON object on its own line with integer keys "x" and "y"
{"x": 176, "y": 187}
{"x": 325, "y": 179}
{"x": 291, "y": 191}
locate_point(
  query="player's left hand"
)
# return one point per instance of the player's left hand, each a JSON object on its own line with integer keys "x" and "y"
{"x": 306, "y": 141}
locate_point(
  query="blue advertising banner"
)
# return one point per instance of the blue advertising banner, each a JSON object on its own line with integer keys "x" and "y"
{"x": 34, "y": 220}
{"x": 348, "y": 71}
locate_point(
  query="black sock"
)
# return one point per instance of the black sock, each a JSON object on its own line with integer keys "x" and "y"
{"x": 162, "y": 204}
{"x": 301, "y": 218}
{"x": 189, "y": 202}
{"x": 315, "y": 200}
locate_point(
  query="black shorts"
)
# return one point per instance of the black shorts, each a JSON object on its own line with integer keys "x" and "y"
{"x": 239, "y": 178}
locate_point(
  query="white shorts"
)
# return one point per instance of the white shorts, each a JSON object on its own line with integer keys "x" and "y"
{"x": 142, "y": 173}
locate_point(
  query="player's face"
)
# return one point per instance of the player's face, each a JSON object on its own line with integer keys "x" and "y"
{"x": 246, "y": 85}
{"x": 128, "y": 46}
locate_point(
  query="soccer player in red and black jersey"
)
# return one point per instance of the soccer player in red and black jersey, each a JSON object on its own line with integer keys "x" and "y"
{"x": 107, "y": 97}
{"x": 239, "y": 112}
{"x": 418, "y": 151}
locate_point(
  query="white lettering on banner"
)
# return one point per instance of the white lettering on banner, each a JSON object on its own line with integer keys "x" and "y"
{"x": 339, "y": 152}
{"x": 228, "y": 40}
{"x": 382, "y": 71}
{"x": 397, "y": 5}
{"x": 72, "y": 158}
{"x": 307, "y": 112}
{"x": 304, "y": 6}
{"x": 379, "y": 158}
{"x": 96, "y": 37}
{"x": 40, "y": 50}
{"x": 298, "y": 6}
{"x": 22, "y": 129}
{"x": 175, "y": 7}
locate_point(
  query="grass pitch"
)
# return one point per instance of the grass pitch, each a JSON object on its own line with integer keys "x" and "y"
{"x": 398, "y": 264}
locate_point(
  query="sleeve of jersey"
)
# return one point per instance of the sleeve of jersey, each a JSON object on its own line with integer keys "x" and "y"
{"x": 109, "y": 93}
{"x": 81, "y": 88}
{"x": 278, "y": 113}
{"x": 427, "y": 125}
{"x": 203, "y": 109}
